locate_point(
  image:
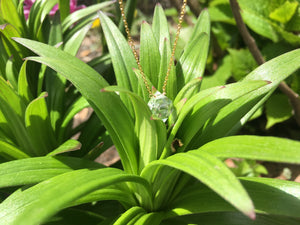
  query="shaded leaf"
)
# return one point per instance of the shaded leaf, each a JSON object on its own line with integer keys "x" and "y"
{"x": 35, "y": 170}
{"x": 283, "y": 194}
{"x": 57, "y": 192}
{"x": 68, "y": 146}
{"x": 108, "y": 106}
{"x": 255, "y": 147}
{"x": 278, "y": 109}
{"x": 210, "y": 171}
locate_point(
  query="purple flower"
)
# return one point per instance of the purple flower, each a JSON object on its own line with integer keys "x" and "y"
{"x": 28, "y": 4}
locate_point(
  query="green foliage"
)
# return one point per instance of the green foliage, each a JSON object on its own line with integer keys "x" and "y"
{"x": 278, "y": 109}
{"x": 171, "y": 173}
{"x": 274, "y": 25}
{"x": 36, "y": 117}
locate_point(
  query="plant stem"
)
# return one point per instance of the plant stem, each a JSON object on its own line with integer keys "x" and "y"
{"x": 250, "y": 42}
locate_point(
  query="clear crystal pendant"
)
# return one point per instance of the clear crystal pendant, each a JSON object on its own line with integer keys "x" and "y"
{"x": 161, "y": 106}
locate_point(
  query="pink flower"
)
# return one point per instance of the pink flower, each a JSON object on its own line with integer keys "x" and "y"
{"x": 28, "y": 4}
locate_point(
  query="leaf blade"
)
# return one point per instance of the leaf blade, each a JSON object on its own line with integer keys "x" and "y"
{"x": 216, "y": 176}
{"x": 255, "y": 147}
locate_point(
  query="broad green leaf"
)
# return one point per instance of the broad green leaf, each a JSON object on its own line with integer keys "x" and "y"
{"x": 171, "y": 89}
{"x": 10, "y": 14}
{"x": 221, "y": 13}
{"x": 13, "y": 51}
{"x": 11, "y": 152}
{"x": 285, "y": 12}
{"x": 14, "y": 128}
{"x": 115, "y": 192}
{"x": 256, "y": 13}
{"x": 80, "y": 14}
{"x": 153, "y": 218}
{"x": 102, "y": 64}
{"x": 278, "y": 109}
{"x": 51, "y": 196}
{"x": 23, "y": 85}
{"x": 231, "y": 218}
{"x": 122, "y": 58}
{"x": 72, "y": 45}
{"x": 193, "y": 61}
{"x": 160, "y": 29}
{"x": 289, "y": 37}
{"x": 255, "y": 147}
{"x": 164, "y": 63}
{"x": 4, "y": 56}
{"x": 37, "y": 15}
{"x": 55, "y": 85}
{"x": 37, "y": 122}
{"x": 129, "y": 215}
{"x": 184, "y": 111}
{"x": 221, "y": 75}
{"x": 68, "y": 146}
{"x": 12, "y": 112}
{"x": 149, "y": 53}
{"x": 11, "y": 74}
{"x": 64, "y": 8}
{"x": 264, "y": 192}
{"x": 151, "y": 133}
{"x": 202, "y": 26}
{"x": 234, "y": 115}
{"x": 242, "y": 63}
{"x": 76, "y": 106}
{"x": 209, "y": 106}
{"x": 94, "y": 138}
{"x": 37, "y": 169}
{"x": 164, "y": 184}
{"x": 257, "y": 16}
{"x": 293, "y": 24}
{"x": 8, "y": 30}
{"x": 211, "y": 172}
{"x": 188, "y": 90}
{"x": 108, "y": 106}
{"x": 55, "y": 36}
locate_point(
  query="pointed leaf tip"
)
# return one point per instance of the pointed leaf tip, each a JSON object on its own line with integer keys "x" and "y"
{"x": 252, "y": 215}
{"x": 2, "y": 27}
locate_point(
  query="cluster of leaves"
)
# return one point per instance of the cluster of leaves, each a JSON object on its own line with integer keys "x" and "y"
{"x": 31, "y": 124}
{"x": 170, "y": 173}
{"x": 275, "y": 26}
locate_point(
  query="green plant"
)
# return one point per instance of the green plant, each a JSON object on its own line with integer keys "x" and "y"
{"x": 274, "y": 33}
{"x": 37, "y": 104}
{"x": 171, "y": 173}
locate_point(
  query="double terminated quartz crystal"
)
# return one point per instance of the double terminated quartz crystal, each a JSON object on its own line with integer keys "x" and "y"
{"x": 160, "y": 106}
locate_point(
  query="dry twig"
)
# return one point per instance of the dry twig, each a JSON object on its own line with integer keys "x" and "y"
{"x": 250, "y": 42}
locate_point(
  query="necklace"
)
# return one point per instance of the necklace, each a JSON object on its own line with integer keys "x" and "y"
{"x": 160, "y": 105}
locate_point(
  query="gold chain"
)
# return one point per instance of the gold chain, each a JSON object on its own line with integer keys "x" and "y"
{"x": 131, "y": 43}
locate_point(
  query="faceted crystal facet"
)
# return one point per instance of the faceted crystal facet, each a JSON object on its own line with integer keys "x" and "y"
{"x": 160, "y": 106}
